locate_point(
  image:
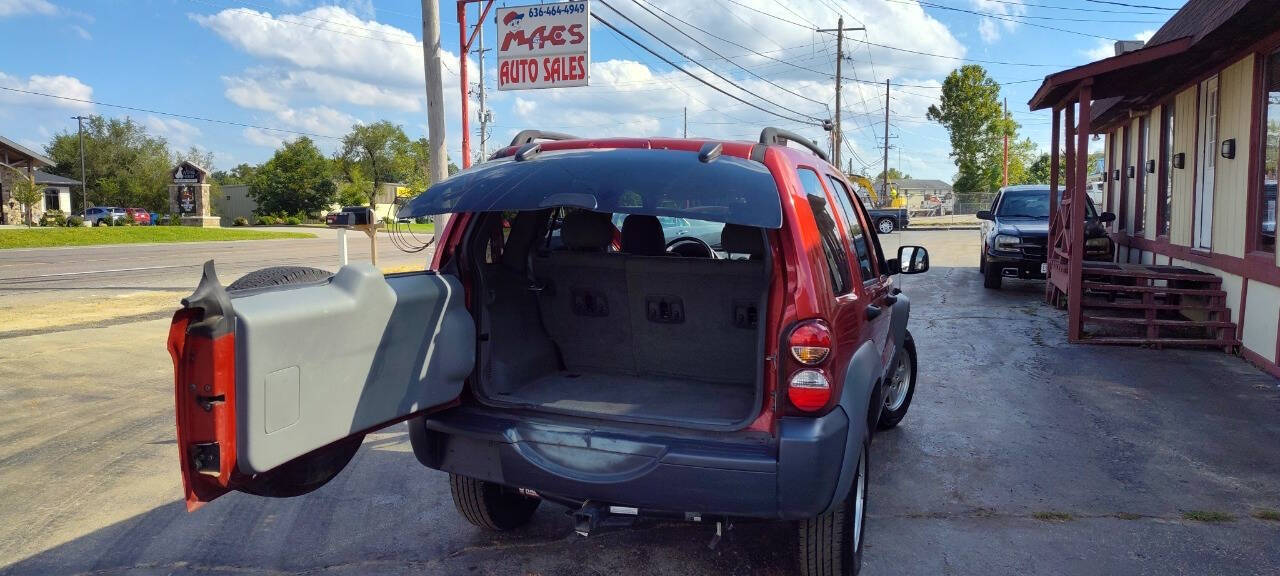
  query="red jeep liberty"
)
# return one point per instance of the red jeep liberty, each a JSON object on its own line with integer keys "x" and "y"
{"x": 551, "y": 354}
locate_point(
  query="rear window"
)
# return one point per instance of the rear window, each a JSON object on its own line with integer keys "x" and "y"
{"x": 619, "y": 180}
{"x": 832, "y": 247}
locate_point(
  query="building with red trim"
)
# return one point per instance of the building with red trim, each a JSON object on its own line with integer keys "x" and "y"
{"x": 1192, "y": 134}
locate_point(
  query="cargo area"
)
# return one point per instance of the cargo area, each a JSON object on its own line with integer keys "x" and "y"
{"x": 581, "y": 328}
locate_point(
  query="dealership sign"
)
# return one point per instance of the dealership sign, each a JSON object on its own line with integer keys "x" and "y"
{"x": 543, "y": 46}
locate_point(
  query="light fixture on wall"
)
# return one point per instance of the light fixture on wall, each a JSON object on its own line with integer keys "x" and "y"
{"x": 1180, "y": 160}
{"x": 1130, "y": 172}
{"x": 1229, "y": 149}
{"x": 1115, "y": 175}
{"x": 1151, "y": 166}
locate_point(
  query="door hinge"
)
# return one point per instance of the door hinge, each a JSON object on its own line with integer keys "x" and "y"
{"x": 205, "y": 458}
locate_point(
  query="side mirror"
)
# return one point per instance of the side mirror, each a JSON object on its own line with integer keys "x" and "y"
{"x": 985, "y": 215}
{"x": 1107, "y": 217}
{"x": 913, "y": 259}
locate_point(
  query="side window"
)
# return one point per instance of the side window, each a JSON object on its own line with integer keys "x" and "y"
{"x": 832, "y": 246}
{"x": 857, "y": 238}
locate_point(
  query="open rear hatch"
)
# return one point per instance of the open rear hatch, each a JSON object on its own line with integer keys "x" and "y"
{"x": 275, "y": 387}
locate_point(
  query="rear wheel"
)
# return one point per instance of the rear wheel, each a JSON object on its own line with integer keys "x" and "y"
{"x": 991, "y": 277}
{"x": 831, "y": 544}
{"x": 311, "y": 471}
{"x": 901, "y": 387}
{"x": 886, "y": 225}
{"x": 491, "y": 506}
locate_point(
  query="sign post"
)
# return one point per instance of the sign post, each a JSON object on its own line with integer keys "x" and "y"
{"x": 189, "y": 196}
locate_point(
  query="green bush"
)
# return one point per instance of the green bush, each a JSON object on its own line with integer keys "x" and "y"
{"x": 293, "y": 221}
{"x": 422, "y": 220}
{"x": 107, "y": 221}
{"x": 74, "y": 222}
{"x": 388, "y": 220}
{"x": 175, "y": 220}
{"x": 242, "y": 221}
{"x": 267, "y": 220}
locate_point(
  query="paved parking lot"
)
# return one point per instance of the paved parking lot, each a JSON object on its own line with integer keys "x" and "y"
{"x": 1021, "y": 455}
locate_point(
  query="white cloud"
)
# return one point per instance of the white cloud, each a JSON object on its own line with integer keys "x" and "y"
{"x": 269, "y": 89}
{"x": 21, "y": 7}
{"x": 1145, "y": 35}
{"x": 990, "y": 29}
{"x": 179, "y": 134}
{"x": 1107, "y": 48}
{"x": 60, "y": 85}
{"x": 81, "y": 32}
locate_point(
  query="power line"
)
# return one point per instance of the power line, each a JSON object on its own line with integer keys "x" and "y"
{"x": 172, "y": 114}
{"x": 712, "y": 50}
{"x": 810, "y": 26}
{"x": 1127, "y": 5}
{"x": 1074, "y": 8}
{"x": 958, "y": 58}
{"x": 817, "y": 122}
{"x": 999, "y": 17}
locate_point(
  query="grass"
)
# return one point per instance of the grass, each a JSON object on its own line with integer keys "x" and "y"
{"x": 1053, "y": 516}
{"x": 1207, "y": 516}
{"x": 51, "y": 237}
{"x": 1267, "y": 514}
{"x": 1127, "y": 516}
{"x": 416, "y": 228}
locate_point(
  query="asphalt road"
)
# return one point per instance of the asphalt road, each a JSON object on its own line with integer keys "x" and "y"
{"x": 1021, "y": 455}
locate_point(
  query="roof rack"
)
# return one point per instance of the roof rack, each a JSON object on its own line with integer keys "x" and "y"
{"x": 528, "y": 136}
{"x": 781, "y": 136}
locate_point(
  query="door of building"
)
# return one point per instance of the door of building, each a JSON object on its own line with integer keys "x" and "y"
{"x": 1207, "y": 159}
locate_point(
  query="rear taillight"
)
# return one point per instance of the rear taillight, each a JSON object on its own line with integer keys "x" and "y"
{"x": 810, "y": 344}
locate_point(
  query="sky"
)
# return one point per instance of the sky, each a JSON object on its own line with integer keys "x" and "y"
{"x": 243, "y": 76}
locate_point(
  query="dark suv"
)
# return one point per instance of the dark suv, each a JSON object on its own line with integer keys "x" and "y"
{"x": 1015, "y": 235}
{"x": 604, "y": 371}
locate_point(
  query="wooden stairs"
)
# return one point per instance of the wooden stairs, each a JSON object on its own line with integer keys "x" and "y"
{"x": 1155, "y": 306}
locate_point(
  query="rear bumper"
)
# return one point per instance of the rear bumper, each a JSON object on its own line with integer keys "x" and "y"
{"x": 791, "y": 477}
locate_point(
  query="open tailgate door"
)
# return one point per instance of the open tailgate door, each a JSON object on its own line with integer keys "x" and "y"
{"x": 275, "y": 387}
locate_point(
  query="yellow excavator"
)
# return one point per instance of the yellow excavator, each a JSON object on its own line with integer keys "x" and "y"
{"x": 870, "y": 194}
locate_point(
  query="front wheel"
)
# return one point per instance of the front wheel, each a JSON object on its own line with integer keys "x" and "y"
{"x": 901, "y": 387}
{"x": 886, "y": 225}
{"x": 491, "y": 506}
{"x": 991, "y": 278}
{"x": 831, "y": 544}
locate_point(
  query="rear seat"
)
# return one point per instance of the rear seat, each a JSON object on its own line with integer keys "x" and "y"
{"x": 653, "y": 315}
{"x": 584, "y": 303}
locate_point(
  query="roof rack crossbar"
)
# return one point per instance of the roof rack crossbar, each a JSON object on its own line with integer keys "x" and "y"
{"x": 528, "y": 136}
{"x": 773, "y": 135}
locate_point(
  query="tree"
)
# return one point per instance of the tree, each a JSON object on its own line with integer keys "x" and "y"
{"x": 27, "y": 195}
{"x": 894, "y": 174}
{"x": 356, "y": 190}
{"x": 194, "y": 155}
{"x": 970, "y": 111}
{"x": 241, "y": 174}
{"x": 380, "y": 149}
{"x": 1022, "y": 155}
{"x": 1039, "y": 172}
{"x": 124, "y": 165}
{"x": 296, "y": 180}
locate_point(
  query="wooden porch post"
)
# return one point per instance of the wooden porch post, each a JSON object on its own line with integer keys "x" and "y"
{"x": 1075, "y": 295}
{"x": 1050, "y": 291}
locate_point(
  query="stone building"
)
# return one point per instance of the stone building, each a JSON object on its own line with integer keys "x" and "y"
{"x": 18, "y": 162}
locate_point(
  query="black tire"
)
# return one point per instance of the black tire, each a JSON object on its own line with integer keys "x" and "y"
{"x": 991, "y": 277}
{"x": 311, "y": 471}
{"x": 491, "y": 506}
{"x": 982, "y": 263}
{"x": 891, "y": 417}
{"x": 886, "y": 225}
{"x": 829, "y": 544}
{"x": 279, "y": 276}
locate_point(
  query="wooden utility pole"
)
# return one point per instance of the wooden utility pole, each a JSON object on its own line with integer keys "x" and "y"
{"x": 84, "y": 190}
{"x": 885, "y": 193}
{"x": 836, "y": 137}
{"x": 439, "y": 165}
{"x": 1006, "y": 143}
{"x": 484, "y": 112}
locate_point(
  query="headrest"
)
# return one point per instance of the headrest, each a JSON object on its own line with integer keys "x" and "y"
{"x": 586, "y": 230}
{"x": 739, "y": 239}
{"x": 642, "y": 235}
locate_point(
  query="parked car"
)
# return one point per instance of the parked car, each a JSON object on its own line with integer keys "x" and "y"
{"x": 140, "y": 217}
{"x": 1015, "y": 235}
{"x": 606, "y": 376}
{"x": 94, "y": 215}
{"x": 889, "y": 219}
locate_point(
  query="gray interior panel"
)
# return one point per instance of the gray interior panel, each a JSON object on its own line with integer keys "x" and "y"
{"x": 318, "y": 363}
{"x": 643, "y": 398}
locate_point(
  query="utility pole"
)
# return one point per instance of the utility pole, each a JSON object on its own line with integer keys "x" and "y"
{"x": 439, "y": 168}
{"x": 484, "y": 112}
{"x": 836, "y": 137}
{"x": 885, "y": 193}
{"x": 1006, "y": 142}
{"x": 84, "y": 190}
{"x": 686, "y": 122}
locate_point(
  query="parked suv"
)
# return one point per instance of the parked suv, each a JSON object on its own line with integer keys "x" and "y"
{"x": 96, "y": 214}
{"x": 605, "y": 371}
{"x": 1015, "y": 235}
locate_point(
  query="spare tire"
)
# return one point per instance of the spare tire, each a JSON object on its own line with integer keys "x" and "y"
{"x": 309, "y": 471}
